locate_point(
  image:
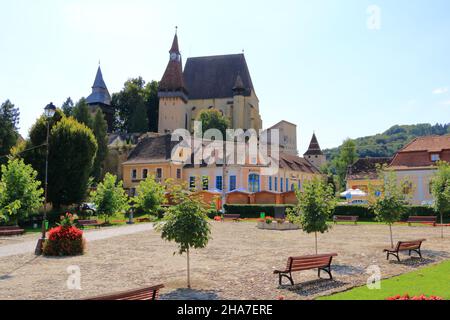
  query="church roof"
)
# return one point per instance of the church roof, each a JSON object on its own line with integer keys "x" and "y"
{"x": 100, "y": 93}
{"x": 216, "y": 76}
{"x": 314, "y": 147}
{"x": 172, "y": 80}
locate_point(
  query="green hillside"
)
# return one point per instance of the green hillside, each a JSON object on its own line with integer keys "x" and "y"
{"x": 390, "y": 142}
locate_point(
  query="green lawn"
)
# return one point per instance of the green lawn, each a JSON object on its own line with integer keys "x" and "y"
{"x": 429, "y": 281}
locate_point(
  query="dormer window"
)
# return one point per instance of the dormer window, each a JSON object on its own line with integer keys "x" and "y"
{"x": 435, "y": 157}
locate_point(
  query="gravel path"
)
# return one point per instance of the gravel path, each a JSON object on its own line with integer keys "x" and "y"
{"x": 237, "y": 264}
{"x": 27, "y": 244}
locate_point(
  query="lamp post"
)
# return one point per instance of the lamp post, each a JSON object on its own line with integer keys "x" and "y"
{"x": 49, "y": 112}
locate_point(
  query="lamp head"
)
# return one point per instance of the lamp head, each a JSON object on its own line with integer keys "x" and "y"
{"x": 50, "y": 110}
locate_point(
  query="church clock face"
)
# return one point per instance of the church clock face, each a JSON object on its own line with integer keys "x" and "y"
{"x": 174, "y": 56}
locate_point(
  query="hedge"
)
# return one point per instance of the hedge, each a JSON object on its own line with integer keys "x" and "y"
{"x": 363, "y": 212}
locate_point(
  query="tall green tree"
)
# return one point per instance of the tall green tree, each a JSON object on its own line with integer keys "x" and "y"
{"x": 110, "y": 197}
{"x": 346, "y": 158}
{"x": 36, "y": 143}
{"x": 186, "y": 224}
{"x": 100, "y": 129}
{"x": 130, "y": 106}
{"x": 82, "y": 113}
{"x": 152, "y": 102}
{"x": 9, "y": 121}
{"x": 67, "y": 107}
{"x": 440, "y": 188}
{"x": 150, "y": 196}
{"x": 390, "y": 206}
{"x": 71, "y": 156}
{"x": 20, "y": 191}
{"x": 315, "y": 206}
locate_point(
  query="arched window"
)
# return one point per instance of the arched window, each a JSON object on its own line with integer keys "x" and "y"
{"x": 253, "y": 183}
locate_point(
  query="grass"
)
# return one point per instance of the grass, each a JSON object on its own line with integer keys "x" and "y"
{"x": 431, "y": 281}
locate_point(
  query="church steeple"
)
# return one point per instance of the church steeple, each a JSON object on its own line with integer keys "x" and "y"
{"x": 314, "y": 154}
{"x": 172, "y": 82}
{"x": 100, "y": 98}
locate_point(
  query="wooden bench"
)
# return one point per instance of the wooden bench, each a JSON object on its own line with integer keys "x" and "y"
{"x": 337, "y": 219}
{"x": 11, "y": 231}
{"x": 321, "y": 262}
{"x": 405, "y": 246}
{"x": 234, "y": 217}
{"x": 89, "y": 223}
{"x": 145, "y": 294}
{"x": 416, "y": 219}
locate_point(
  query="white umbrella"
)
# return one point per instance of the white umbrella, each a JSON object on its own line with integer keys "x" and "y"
{"x": 354, "y": 193}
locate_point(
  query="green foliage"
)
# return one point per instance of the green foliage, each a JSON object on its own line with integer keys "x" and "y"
{"x": 213, "y": 119}
{"x": 82, "y": 113}
{"x": 110, "y": 197}
{"x": 347, "y": 157}
{"x": 67, "y": 107}
{"x": 136, "y": 106}
{"x": 440, "y": 188}
{"x": 100, "y": 129}
{"x": 36, "y": 143}
{"x": 392, "y": 204}
{"x": 186, "y": 224}
{"x": 387, "y": 144}
{"x": 150, "y": 196}
{"x": 316, "y": 204}
{"x": 72, "y": 152}
{"x": 20, "y": 192}
{"x": 9, "y": 120}
{"x": 254, "y": 211}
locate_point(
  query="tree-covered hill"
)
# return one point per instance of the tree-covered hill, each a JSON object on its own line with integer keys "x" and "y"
{"x": 390, "y": 142}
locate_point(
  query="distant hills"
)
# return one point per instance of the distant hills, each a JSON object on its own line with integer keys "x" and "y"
{"x": 387, "y": 144}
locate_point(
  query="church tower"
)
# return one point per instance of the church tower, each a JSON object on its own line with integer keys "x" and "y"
{"x": 172, "y": 93}
{"x": 314, "y": 154}
{"x": 239, "y": 114}
{"x": 100, "y": 98}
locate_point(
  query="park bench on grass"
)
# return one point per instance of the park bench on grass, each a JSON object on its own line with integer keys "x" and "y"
{"x": 145, "y": 294}
{"x": 89, "y": 223}
{"x": 405, "y": 246}
{"x": 322, "y": 262}
{"x": 337, "y": 219}
{"x": 234, "y": 217}
{"x": 11, "y": 231}
{"x": 417, "y": 219}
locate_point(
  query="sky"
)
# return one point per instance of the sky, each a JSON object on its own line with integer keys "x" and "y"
{"x": 344, "y": 69}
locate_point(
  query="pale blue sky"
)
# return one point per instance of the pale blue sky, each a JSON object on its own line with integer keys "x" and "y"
{"x": 315, "y": 63}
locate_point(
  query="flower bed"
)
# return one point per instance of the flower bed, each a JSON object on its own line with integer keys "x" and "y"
{"x": 269, "y": 224}
{"x": 65, "y": 240}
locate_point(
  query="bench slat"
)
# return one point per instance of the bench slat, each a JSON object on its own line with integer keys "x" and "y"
{"x": 136, "y": 295}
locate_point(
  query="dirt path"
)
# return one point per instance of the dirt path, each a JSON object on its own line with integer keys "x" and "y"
{"x": 237, "y": 264}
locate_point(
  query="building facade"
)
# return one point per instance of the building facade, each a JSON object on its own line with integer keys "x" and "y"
{"x": 216, "y": 82}
{"x": 417, "y": 163}
{"x": 363, "y": 174}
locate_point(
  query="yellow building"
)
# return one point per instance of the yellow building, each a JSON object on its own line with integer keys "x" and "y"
{"x": 363, "y": 175}
{"x": 216, "y": 82}
{"x": 154, "y": 156}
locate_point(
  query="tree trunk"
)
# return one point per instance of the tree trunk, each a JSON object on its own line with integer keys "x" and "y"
{"x": 188, "y": 271}
{"x": 442, "y": 224}
{"x": 392, "y": 238}
{"x": 317, "y": 251}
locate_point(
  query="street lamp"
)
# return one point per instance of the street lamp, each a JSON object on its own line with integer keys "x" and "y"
{"x": 49, "y": 112}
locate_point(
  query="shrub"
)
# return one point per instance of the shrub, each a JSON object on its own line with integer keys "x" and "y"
{"x": 64, "y": 241}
